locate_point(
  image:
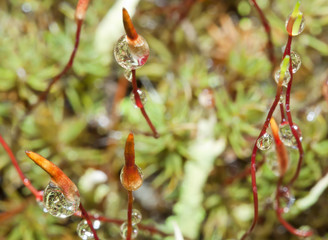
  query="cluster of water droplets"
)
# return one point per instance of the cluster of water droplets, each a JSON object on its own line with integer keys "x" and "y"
{"x": 264, "y": 142}
{"x": 286, "y": 134}
{"x": 84, "y": 231}
{"x": 136, "y": 218}
{"x": 57, "y": 204}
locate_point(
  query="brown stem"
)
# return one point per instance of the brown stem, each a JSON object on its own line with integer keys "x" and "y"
{"x": 87, "y": 218}
{"x": 129, "y": 215}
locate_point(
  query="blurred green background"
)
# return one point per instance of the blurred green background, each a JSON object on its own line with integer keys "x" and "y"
{"x": 83, "y": 124}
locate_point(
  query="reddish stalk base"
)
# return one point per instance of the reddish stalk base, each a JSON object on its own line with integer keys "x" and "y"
{"x": 86, "y": 216}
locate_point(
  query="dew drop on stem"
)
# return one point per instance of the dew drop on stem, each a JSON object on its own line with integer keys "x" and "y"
{"x": 124, "y": 230}
{"x": 57, "y": 204}
{"x": 131, "y": 55}
{"x": 142, "y": 96}
{"x": 131, "y": 178}
{"x": 287, "y": 198}
{"x": 84, "y": 231}
{"x": 287, "y": 136}
{"x": 264, "y": 142}
{"x": 295, "y": 24}
{"x": 296, "y": 61}
{"x": 286, "y": 79}
{"x": 136, "y": 216}
{"x": 128, "y": 74}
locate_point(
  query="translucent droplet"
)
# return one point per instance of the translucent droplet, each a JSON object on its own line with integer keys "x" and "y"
{"x": 206, "y": 98}
{"x": 124, "y": 231}
{"x": 142, "y": 95}
{"x": 84, "y": 231}
{"x": 303, "y": 230}
{"x": 131, "y": 55}
{"x": 286, "y": 134}
{"x": 131, "y": 178}
{"x": 272, "y": 162}
{"x": 41, "y": 205}
{"x": 287, "y": 198}
{"x": 264, "y": 142}
{"x": 296, "y": 61}
{"x": 128, "y": 74}
{"x": 281, "y": 99}
{"x": 295, "y": 25}
{"x": 57, "y": 204}
{"x": 136, "y": 216}
{"x": 286, "y": 79}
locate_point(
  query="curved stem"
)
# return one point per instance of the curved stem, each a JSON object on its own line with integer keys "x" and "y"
{"x": 87, "y": 218}
{"x": 279, "y": 211}
{"x": 24, "y": 179}
{"x": 253, "y": 161}
{"x": 140, "y": 105}
{"x": 267, "y": 28}
{"x": 289, "y": 116}
{"x": 69, "y": 64}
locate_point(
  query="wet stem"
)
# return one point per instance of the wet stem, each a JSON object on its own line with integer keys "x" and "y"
{"x": 87, "y": 218}
{"x": 140, "y": 105}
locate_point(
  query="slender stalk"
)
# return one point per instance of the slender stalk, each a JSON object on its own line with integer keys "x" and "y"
{"x": 267, "y": 28}
{"x": 129, "y": 215}
{"x": 87, "y": 218}
{"x": 279, "y": 212}
{"x": 253, "y": 161}
{"x": 289, "y": 116}
{"x": 69, "y": 64}
{"x": 140, "y": 105}
{"x": 24, "y": 179}
{"x": 243, "y": 174}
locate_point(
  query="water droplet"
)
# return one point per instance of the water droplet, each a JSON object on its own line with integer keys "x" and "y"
{"x": 131, "y": 178}
{"x": 303, "y": 230}
{"x": 206, "y": 98}
{"x": 131, "y": 55}
{"x": 124, "y": 230}
{"x": 295, "y": 25}
{"x": 57, "y": 204}
{"x": 84, "y": 231}
{"x": 287, "y": 198}
{"x": 296, "y": 61}
{"x": 142, "y": 95}
{"x": 287, "y": 136}
{"x": 128, "y": 74}
{"x": 281, "y": 99}
{"x": 272, "y": 161}
{"x": 264, "y": 142}
{"x": 136, "y": 216}
{"x": 286, "y": 79}
{"x": 41, "y": 205}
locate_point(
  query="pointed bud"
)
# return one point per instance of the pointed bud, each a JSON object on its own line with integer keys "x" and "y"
{"x": 128, "y": 26}
{"x": 69, "y": 189}
{"x": 81, "y": 9}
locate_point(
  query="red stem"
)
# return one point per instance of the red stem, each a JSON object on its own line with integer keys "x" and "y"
{"x": 279, "y": 211}
{"x": 267, "y": 28}
{"x": 86, "y": 216}
{"x": 69, "y": 64}
{"x": 129, "y": 215}
{"x": 289, "y": 116}
{"x": 24, "y": 179}
{"x": 140, "y": 105}
{"x": 253, "y": 161}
